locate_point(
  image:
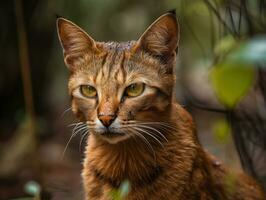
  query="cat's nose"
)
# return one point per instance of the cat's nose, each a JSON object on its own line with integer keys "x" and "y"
{"x": 106, "y": 119}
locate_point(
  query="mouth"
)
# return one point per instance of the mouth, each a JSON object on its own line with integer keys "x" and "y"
{"x": 112, "y": 134}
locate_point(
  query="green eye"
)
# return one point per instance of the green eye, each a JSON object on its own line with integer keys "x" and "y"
{"x": 134, "y": 89}
{"x": 88, "y": 91}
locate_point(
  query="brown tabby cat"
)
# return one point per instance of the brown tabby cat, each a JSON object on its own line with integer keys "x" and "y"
{"x": 124, "y": 93}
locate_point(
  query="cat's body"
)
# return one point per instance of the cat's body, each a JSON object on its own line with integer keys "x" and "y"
{"x": 182, "y": 170}
{"x": 124, "y": 92}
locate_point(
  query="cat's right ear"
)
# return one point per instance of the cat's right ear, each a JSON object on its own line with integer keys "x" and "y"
{"x": 161, "y": 38}
{"x": 75, "y": 42}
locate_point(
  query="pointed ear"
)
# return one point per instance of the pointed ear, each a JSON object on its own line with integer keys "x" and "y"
{"x": 161, "y": 38}
{"x": 74, "y": 41}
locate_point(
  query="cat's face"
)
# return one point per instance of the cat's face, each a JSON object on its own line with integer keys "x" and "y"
{"x": 121, "y": 89}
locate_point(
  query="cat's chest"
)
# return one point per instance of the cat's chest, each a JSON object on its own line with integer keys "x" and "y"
{"x": 166, "y": 186}
{"x": 155, "y": 191}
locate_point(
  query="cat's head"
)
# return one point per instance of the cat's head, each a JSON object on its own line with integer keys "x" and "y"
{"x": 118, "y": 89}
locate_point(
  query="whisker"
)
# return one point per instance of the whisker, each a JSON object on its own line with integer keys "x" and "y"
{"x": 148, "y": 133}
{"x": 63, "y": 154}
{"x": 151, "y": 128}
{"x": 81, "y": 140}
{"x": 150, "y": 122}
{"x": 74, "y": 124}
{"x": 80, "y": 126}
{"x": 165, "y": 124}
{"x": 142, "y": 138}
{"x": 80, "y": 129}
{"x": 164, "y": 127}
{"x": 68, "y": 109}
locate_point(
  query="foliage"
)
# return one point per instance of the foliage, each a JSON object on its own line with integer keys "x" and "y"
{"x": 222, "y": 131}
{"x": 235, "y": 73}
{"x": 230, "y": 182}
{"x": 121, "y": 192}
{"x": 231, "y": 82}
{"x": 239, "y": 67}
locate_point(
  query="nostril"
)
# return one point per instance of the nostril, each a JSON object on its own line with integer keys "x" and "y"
{"x": 106, "y": 119}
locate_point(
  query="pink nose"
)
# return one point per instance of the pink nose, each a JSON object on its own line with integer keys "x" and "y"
{"x": 106, "y": 119}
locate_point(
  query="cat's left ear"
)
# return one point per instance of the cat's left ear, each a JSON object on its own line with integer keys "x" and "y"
{"x": 161, "y": 38}
{"x": 74, "y": 41}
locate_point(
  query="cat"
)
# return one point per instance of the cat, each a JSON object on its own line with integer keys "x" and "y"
{"x": 123, "y": 92}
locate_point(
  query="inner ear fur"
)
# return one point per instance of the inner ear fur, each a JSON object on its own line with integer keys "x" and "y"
{"x": 74, "y": 41}
{"x": 161, "y": 37}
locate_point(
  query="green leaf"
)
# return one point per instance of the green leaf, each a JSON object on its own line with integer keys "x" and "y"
{"x": 231, "y": 82}
{"x": 230, "y": 182}
{"x": 225, "y": 45}
{"x": 121, "y": 192}
{"x": 222, "y": 131}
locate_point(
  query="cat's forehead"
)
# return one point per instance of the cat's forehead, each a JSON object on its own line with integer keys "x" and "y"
{"x": 116, "y": 46}
{"x": 116, "y": 58}
{"x": 116, "y": 65}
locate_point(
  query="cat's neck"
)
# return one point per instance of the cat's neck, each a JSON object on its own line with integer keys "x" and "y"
{"x": 132, "y": 159}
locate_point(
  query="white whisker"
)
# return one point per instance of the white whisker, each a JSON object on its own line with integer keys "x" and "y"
{"x": 135, "y": 133}
{"x": 165, "y": 124}
{"x": 81, "y": 140}
{"x": 151, "y": 128}
{"x": 148, "y": 133}
{"x": 68, "y": 109}
{"x": 75, "y": 124}
{"x": 78, "y": 127}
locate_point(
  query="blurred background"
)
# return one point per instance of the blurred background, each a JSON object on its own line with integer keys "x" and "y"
{"x": 220, "y": 72}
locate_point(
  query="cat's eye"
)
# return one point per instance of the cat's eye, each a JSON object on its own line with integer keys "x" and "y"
{"x": 134, "y": 89}
{"x": 88, "y": 91}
